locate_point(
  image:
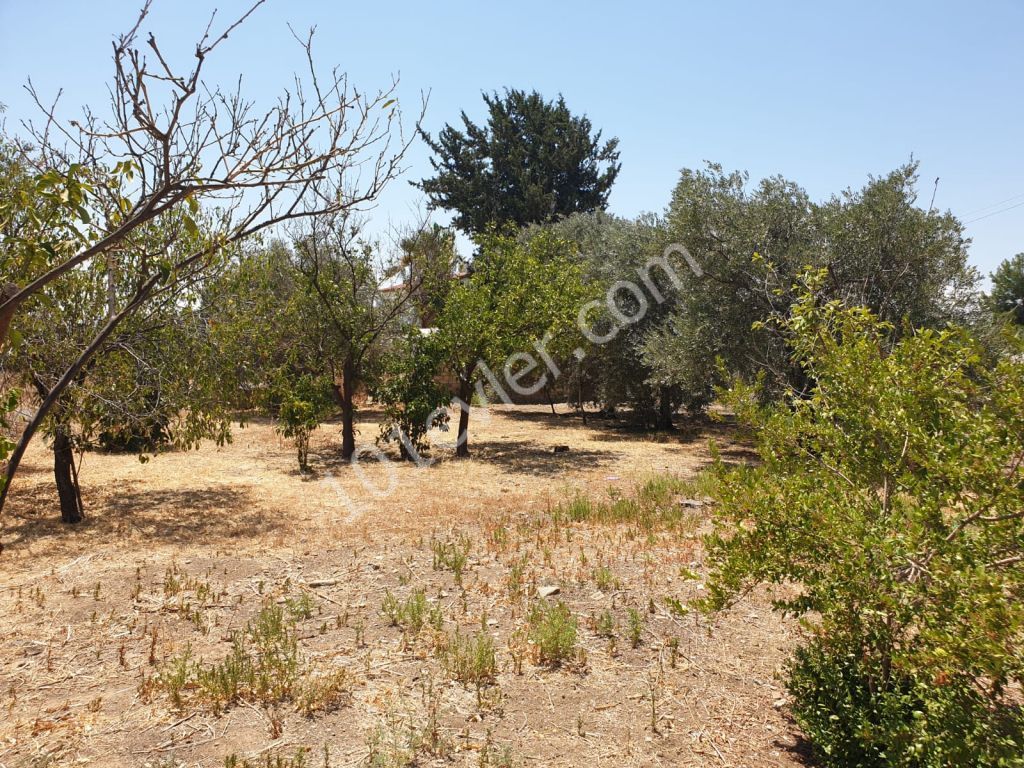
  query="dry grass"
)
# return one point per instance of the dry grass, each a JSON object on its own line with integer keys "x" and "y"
{"x": 185, "y": 551}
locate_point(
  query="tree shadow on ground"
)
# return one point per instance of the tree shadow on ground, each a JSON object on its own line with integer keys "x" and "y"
{"x": 800, "y": 749}
{"x": 527, "y": 458}
{"x": 732, "y": 456}
{"x": 180, "y": 515}
{"x": 687, "y": 429}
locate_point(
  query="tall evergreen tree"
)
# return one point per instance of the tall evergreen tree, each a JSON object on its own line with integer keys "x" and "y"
{"x": 533, "y": 162}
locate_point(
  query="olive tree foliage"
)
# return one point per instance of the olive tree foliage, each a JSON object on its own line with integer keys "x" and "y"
{"x": 1007, "y": 296}
{"x": 877, "y": 247}
{"x": 749, "y": 243}
{"x": 516, "y": 296}
{"x": 888, "y": 501}
{"x": 883, "y": 251}
{"x": 615, "y": 369}
{"x": 532, "y": 162}
{"x": 170, "y": 144}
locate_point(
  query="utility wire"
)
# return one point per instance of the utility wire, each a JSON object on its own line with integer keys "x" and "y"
{"x": 994, "y": 205}
{"x": 1003, "y": 210}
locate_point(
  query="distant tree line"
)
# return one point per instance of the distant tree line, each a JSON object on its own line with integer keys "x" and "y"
{"x": 115, "y": 307}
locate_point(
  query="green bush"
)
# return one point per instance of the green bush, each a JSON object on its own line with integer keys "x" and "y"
{"x": 891, "y": 497}
{"x": 852, "y": 723}
{"x": 470, "y": 659}
{"x": 414, "y": 401}
{"x": 410, "y": 614}
{"x": 304, "y": 403}
{"x": 552, "y": 630}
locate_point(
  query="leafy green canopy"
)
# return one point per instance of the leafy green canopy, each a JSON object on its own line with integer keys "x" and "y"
{"x": 497, "y": 321}
{"x": 889, "y": 508}
{"x": 107, "y": 373}
{"x": 877, "y": 247}
{"x": 1007, "y": 297}
{"x": 413, "y": 398}
{"x": 628, "y": 367}
{"x": 515, "y": 295}
{"x": 534, "y": 161}
{"x": 154, "y": 380}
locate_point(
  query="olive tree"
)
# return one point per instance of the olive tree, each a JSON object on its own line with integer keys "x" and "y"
{"x": 877, "y": 247}
{"x": 634, "y": 278}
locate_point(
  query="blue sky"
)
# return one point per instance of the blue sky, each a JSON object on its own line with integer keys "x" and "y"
{"x": 824, "y": 94}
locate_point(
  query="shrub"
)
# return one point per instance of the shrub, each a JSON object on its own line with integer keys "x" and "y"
{"x": 304, "y": 403}
{"x": 604, "y": 579}
{"x": 409, "y": 614}
{"x": 891, "y": 496}
{"x": 469, "y": 659}
{"x": 263, "y": 666}
{"x": 414, "y": 402}
{"x": 451, "y": 555}
{"x": 552, "y": 630}
{"x": 301, "y": 607}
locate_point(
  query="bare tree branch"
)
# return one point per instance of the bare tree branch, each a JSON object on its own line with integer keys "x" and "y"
{"x": 188, "y": 144}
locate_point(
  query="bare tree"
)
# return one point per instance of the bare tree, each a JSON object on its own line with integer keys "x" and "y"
{"x": 179, "y": 143}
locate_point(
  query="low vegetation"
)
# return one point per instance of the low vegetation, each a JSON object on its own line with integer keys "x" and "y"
{"x": 468, "y": 658}
{"x": 552, "y": 632}
{"x": 264, "y": 666}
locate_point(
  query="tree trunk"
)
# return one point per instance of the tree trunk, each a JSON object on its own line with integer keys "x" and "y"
{"x": 466, "y": 395}
{"x": 85, "y": 359}
{"x": 67, "y": 478}
{"x": 665, "y": 409}
{"x": 348, "y": 427}
{"x": 579, "y": 396}
{"x": 7, "y": 291}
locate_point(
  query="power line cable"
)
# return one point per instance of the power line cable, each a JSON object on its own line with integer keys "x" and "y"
{"x": 1004, "y": 210}
{"x": 994, "y": 205}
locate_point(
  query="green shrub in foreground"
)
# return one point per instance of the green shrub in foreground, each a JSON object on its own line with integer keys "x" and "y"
{"x": 892, "y": 498}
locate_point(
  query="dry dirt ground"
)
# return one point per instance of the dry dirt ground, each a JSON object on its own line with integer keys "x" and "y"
{"x": 180, "y": 553}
